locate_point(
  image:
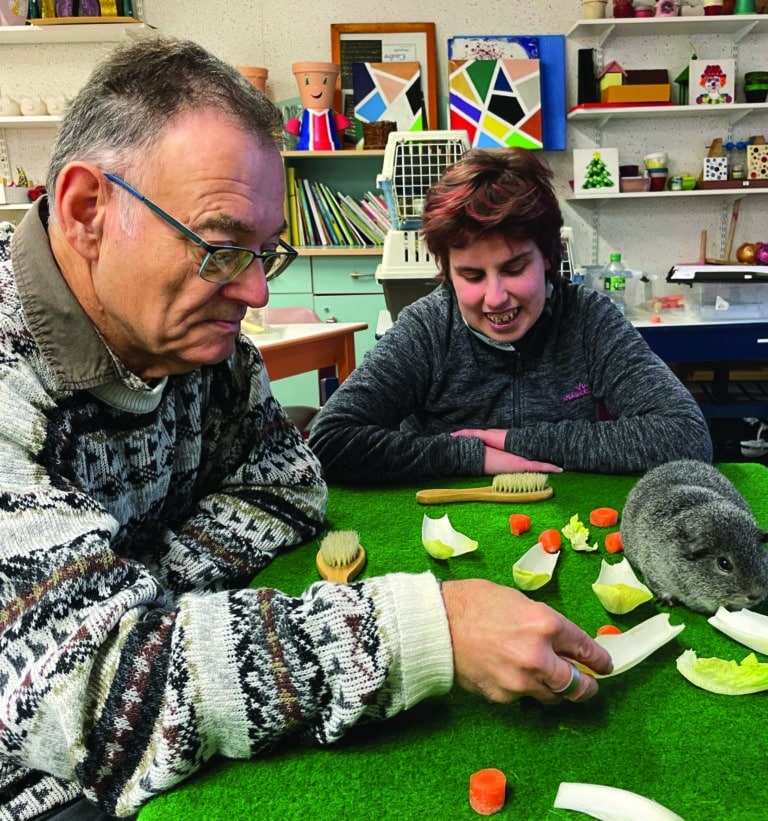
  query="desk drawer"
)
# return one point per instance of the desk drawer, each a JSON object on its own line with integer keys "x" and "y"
{"x": 345, "y": 275}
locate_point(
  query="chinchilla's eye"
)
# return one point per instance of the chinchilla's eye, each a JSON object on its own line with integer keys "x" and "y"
{"x": 724, "y": 564}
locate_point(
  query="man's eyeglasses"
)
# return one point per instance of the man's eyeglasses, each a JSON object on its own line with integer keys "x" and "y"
{"x": 221, "y": 263}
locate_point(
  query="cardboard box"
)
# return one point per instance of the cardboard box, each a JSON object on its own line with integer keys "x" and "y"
{"x": 653, "y": 93}
{"x": 757, "y": 162}
{"x": 715, "y": 168}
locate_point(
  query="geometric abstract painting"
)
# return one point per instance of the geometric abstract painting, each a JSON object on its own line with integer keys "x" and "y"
{"x": 498, "y": 102}
{"x": 389, "y": 91}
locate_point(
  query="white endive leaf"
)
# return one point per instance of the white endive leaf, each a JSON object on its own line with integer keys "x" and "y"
{"x": 633, "y": 646}
{"x": 610, "y": 803}
{"x": 534, "y": 568}
{"x": 619, "y": 589}
{"x": 751, "y": 629}
{"x": 441, "y": 541}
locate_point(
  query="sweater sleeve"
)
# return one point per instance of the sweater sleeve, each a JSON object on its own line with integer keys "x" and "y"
{"x": 360, "y": 433}
{"x": 651, "y": 417}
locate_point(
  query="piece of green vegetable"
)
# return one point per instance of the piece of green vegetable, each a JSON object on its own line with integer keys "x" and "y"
{"x": 729, "y": 678}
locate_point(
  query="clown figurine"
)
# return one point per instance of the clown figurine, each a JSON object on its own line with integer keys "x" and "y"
{"x": 319, "y": 126}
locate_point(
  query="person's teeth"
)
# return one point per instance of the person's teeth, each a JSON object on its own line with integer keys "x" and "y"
{"x": 502, "y": 318}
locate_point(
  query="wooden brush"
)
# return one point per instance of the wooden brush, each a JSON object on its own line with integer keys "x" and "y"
{"x": 506, "y": 487}
{"x": 341, "y": 556}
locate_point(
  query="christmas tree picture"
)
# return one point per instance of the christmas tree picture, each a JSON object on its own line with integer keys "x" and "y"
{"x": 595, "y": 169}
{"x": 597, "y": 174}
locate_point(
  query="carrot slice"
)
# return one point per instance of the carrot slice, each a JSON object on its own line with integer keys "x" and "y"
{"x": 604, "y": 517}
{"x": 550, "y": 540}
{"x": 487, "y": 791}
{"x": 519, "y": 523}
{"x": 608, "y": 630}
{"x": 613, "y": 543}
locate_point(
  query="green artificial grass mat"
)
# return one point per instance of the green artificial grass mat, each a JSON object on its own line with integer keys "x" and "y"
{"x": 703, "y": 756}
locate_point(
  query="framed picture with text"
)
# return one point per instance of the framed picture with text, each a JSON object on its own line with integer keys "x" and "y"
{"x": 385, "y": 43}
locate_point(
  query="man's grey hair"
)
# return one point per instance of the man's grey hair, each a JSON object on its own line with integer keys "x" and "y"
{"x": 136, "y": 92}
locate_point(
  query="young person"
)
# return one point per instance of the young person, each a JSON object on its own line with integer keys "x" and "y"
{"x": 506, "y": 367}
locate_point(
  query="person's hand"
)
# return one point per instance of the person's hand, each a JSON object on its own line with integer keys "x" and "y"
{"x": 497, "y": 460}
{"x": 506, "y": 645}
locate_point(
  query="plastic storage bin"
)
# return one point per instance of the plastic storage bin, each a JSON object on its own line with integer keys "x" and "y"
{"x": 413, "y": 161}
{"x": 726, "y": 302}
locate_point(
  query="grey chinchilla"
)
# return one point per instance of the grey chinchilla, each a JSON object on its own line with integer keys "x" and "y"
{"x": 691, "y": 534}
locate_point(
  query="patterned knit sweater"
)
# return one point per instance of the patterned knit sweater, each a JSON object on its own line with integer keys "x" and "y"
{"x": 130, "y": 517}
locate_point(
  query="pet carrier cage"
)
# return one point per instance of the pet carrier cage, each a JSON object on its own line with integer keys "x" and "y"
{"x": 413, "y": 160}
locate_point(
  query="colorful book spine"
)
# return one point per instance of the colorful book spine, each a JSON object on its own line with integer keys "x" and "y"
{"x": 321, "y": 236}
{"x": 332, "y": 229}
{"x": 292, "y": 216}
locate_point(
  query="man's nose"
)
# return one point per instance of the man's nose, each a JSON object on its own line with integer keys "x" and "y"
{"x": 251, "y": 286}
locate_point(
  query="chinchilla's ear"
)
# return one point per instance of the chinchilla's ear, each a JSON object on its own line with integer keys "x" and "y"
{"x": 764, "y": 537}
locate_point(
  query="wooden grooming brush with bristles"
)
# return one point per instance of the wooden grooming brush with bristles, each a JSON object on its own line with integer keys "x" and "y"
{"x": 506, "y": 487}
{"x": 341, "y": 556}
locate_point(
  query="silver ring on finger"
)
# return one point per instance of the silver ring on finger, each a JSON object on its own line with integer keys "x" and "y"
{"x": 572, "y": 684}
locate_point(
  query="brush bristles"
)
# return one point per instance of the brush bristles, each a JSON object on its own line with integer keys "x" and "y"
{"x": 339, "y": 548}
{"x": 520, "y": 482}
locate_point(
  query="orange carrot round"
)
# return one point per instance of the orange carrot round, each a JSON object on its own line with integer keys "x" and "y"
{"x": 519, "y": 523}
{"x": 608, "y": 630}
{"x": 550, "y": 540}
{"x": 613, "y": 542}
{"x": 603, "y": 517}
{"x": 487, "y": 791}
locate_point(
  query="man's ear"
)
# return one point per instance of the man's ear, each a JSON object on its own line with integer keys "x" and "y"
{"x": 81, "y": 197}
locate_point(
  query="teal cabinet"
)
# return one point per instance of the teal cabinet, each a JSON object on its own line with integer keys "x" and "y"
{"x": 339, "y": 283}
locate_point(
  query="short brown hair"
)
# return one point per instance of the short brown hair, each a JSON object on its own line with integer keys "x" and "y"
{"x": 504, "y": 192}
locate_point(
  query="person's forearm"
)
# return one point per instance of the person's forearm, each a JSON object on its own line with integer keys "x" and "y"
{"x": 627, "y": 445}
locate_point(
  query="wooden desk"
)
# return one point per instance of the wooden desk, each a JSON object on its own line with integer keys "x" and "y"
{"x": 297, "y": 348}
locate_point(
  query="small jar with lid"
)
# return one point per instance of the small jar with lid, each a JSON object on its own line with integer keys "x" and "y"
{"x": 623, "y": 8}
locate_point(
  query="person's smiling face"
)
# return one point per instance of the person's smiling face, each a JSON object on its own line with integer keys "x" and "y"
{"x": 500, "y": 285}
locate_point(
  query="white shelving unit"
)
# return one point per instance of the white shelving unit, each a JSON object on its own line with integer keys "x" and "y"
{"x": 591, "y": 121}
{"x": 735, "y": 27}
{"x": 103, "y": 30}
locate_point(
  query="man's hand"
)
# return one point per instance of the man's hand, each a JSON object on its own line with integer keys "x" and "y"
{"x": 497, "y": 460}
{"x": 506, "y": 645}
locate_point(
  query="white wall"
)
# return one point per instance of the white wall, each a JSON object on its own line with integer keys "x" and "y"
{"x": 652, "y": 235}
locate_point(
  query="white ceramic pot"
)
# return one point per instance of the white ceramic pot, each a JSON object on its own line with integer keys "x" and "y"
{"x": 593, "y": 9}
{"x": 33, "y": 107}
{"x": 56, "y": 104}
{"x": 13, "y": 12}
{"x": 9, "y": 107}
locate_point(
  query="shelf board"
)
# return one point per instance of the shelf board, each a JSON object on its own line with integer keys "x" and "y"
{"x": 735, "y": 26}
{"x": 46, "y": 121}
{"x": 338, "y": 250}
{"x": 344, "y": 153}
{"x": 597, "y": 116}
{"x": 644, "y": 195}
{"x": 103, "y": 32}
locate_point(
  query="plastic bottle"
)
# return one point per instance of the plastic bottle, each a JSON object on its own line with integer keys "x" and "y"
{"x": 615, "y": 281}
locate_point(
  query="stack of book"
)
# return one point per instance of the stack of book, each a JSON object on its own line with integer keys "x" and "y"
{"x": 319, "y": 215}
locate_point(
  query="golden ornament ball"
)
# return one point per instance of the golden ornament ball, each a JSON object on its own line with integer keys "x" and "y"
{"x": 746, "y": 253}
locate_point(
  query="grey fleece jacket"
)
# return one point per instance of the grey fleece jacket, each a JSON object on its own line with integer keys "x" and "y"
{"x": 582, "y": 390}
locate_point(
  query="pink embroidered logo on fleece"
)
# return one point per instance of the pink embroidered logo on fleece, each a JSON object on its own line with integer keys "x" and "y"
{"x": 581, "y": 390}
